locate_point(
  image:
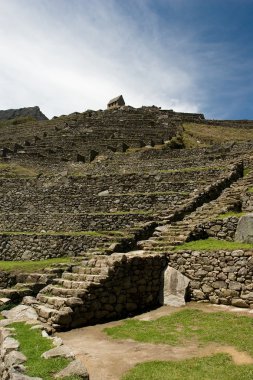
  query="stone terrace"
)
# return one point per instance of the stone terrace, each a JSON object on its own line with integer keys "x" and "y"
{"x": 80, "y": 137}
{"x": 147, "y": 197}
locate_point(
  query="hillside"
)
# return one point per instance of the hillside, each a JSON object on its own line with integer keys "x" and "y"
{"x": 32, "y": 112}
{"x": 89, "y": 185}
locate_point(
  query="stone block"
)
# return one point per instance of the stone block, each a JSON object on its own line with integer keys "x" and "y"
{"x": 244, "y": 230}
{"x": 174, "y": 290}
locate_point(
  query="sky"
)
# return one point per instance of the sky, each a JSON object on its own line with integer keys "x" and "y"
{"x": 74, "y": 55}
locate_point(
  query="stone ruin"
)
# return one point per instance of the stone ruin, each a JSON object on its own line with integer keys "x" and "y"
{"x": 111, "y": 191}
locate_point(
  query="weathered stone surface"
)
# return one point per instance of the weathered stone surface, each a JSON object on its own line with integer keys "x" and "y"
{"x": 244, "y": 231}
{"x": 20, "y": 376}
{"x": 74, "y": 368}
{"x": 20, "y": 313}
{"x": 14, "y": 358}
{"x": 175, "y": 285}
{"x": 63, "y": 351}
{"x": 10, "y": 344}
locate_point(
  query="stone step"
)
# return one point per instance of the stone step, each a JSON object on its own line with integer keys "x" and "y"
{"x": 84, "y": 276}
{"x": 59, "y": 302}
{"x": 57, "y": 318}
{"x": 60, "y": 291}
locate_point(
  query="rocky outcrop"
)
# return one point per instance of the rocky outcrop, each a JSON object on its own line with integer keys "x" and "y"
{"x": 34, "y": 112}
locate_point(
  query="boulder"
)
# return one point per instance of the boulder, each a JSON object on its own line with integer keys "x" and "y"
{"x": 20, "y": 313}
{"x": 75, "y": 368}
{"x": 244, "y": 230}
{"x": 174, "y": 290}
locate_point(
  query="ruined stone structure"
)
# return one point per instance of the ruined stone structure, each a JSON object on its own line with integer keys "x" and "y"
{"x": 116, "y": 102}
{"x": 113, "y": 191}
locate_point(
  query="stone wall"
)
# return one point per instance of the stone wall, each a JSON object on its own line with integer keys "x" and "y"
{"x": 223, "y": 229}
{"x": 108, "y": 288}
{"x": 40, "y": 247}
{"x": 224, "y": 277}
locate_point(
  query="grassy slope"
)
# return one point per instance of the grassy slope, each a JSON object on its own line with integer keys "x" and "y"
{"x": 32, "y": 266}
{"x": 208, "y": 134}
{"x": 184, "y": 326}
{"x": 218, "y": 367}
{"x": 33, "y": 345}
{"x": 213, "y": 245}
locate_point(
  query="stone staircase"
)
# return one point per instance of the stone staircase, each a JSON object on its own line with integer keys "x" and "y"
{"x": 88, "y": 294}
{"x": 102, "y": 288}
{"x": 170, "y": 235}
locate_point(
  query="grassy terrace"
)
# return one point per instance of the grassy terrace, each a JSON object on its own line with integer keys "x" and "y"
{"x": 33, "y": 345}
{"x": 33, "y": 266}
{"x": 13, "y": 170}
{"x": 143, "y": 171}
{"x": 230, "y": 214}
{"x": 180, "y": 329}
{"x": 213, "y": 245}
{"x": 207, "y": 134}
{"x": 193, "y": 169}
{"x": 108, "y": 234}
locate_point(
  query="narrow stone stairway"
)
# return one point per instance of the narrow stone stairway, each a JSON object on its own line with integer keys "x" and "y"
{"x": 170, "y": 235}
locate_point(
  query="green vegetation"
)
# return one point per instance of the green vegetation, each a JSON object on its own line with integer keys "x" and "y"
{"x": 63, "y": 233}
{"x": 250, "y": 190}
{"x": 193, "y": 169}
{"x": 18, "y": 120}
{"x": 186, "y": 326}
{"x": 190, "y": 324}
{"x": 246, "y": 171}
{"x": 32, "y": 266}
{"x": 218, "y": 367}
{"x": 230, "y": 214}
{"x": 33, "y": 345}
{"x": 150, "y": 194}
{"x": 12, "y": 170}
{"x": 200, "y": 135}
{"x": 213, "y": 245}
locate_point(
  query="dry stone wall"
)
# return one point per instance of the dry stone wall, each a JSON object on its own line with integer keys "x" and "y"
{"x": 224, "y": 277}
{"x": 223, "y": 229}
{"x": 40, "y": 247}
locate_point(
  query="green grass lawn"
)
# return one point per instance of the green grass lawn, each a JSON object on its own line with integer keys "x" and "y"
{"x": 230, "y": 214}
{"x": 32, "y": 266}
{"x": 183, "y": 327}
{"x": 216, "y": 367}
{"x": 32, "y": 345}
{"x": 212, "y": 244}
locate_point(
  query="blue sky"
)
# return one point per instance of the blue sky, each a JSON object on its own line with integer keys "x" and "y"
{"x": 73, "y": 55}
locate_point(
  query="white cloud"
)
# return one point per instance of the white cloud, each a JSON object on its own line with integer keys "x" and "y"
{"x": 68, "y": 56}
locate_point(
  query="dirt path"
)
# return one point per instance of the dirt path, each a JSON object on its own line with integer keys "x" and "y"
{"x": 108, "y": 359}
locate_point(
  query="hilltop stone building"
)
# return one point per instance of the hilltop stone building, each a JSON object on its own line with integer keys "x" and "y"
{"x": 116, "y": 102}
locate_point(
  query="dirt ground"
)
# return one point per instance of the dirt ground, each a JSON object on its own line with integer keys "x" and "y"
{"x": 108, "y": 359}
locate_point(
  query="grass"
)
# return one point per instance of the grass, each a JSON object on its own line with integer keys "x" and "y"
{"x": 211, "y": 134}
{"x": 187, "y": 326}
{"x": 218, "y": 367}
{"x": 193, "y": 169}
{"x": 12, "y": 170}
{"x": 212, "y": 244}
{"x": 33, "y": 345}
{"x": 63, "y": 233}
{"x": 150, "y": 194}
{"x": 250, "y": 190}
{"x": 246, "y": 171}
{"x": 32, "y": 266}
{"x": 230, "y": 214}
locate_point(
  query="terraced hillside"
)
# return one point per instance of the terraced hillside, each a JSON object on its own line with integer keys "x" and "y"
{"x": 131, "y": 183}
